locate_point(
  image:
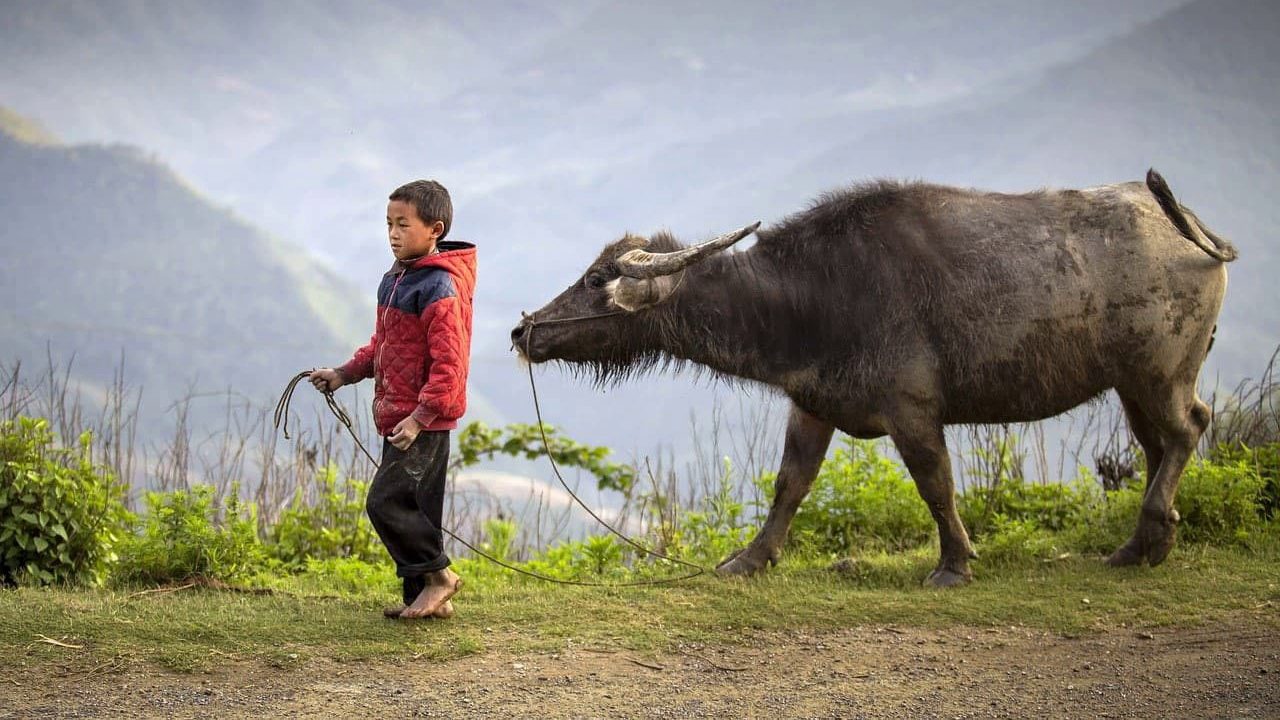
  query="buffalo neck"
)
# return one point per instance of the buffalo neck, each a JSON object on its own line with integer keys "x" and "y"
{"x": 733, "y": 315}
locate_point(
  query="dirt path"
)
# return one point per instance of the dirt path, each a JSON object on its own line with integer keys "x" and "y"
{"x": 1230, "y": 670}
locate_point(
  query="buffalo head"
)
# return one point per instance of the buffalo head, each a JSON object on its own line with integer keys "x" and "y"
{"x": 593, "y": 321}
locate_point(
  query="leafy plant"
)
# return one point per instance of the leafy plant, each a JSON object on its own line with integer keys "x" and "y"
{"x": 1014, "y": 540}
{"x": 334, "y": 525}
{"x": 1105, "y": 519}
{"x": 596, "y": 557}
{"x": 1265, "y": 461}
{"x": 184, "y": 535}
{"x": 351, "y": 577}
{"x": 1219, "y": 502}
{"x": 500, "y": 537}
{"x": 60, "y": 514}
{"x": 714, "y": 527}
{"x": 603, "y": 552}
{"x": 477, "y": 441}
{"x": 1050, "y": 506}
{"x": 862, "y": 499}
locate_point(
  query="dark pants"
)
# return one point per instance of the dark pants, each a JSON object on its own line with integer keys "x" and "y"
{"x": 406, "y": 502}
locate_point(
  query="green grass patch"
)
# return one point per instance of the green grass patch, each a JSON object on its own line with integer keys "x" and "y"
{"x": 308, "y": 616}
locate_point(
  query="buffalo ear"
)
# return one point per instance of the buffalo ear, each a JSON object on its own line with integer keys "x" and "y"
{"x": 632, "y": 294}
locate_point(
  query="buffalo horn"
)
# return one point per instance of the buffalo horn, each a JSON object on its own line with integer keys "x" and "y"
{"x": 643, "y": 264}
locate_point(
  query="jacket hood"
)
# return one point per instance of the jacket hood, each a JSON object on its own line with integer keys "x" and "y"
{"x": 457, "y": 257}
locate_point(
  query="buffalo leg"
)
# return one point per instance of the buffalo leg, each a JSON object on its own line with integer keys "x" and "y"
{"x": 1133, "y": 552}
{"x": 922, "y": 445}
{"x": 1179, "y": 418}
{"x": 802, "y": 455}
{"x": 1147, "y": 435}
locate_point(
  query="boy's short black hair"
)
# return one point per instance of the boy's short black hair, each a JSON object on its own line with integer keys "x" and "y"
{"x": 431, "y": 200}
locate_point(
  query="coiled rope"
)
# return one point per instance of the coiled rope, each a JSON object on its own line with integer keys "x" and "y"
{"x": 281, "y": 420}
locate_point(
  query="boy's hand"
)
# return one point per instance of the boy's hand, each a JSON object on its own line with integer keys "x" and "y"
{"x": 326, "y": 379}
{"x": 404, "y": 433}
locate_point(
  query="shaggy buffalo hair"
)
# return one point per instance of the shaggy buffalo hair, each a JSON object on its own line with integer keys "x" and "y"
{"x": 869, "y": 279}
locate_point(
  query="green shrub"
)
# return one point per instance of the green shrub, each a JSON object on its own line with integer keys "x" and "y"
{"x": 1219, "y": 501}
{"x": 60, "y": 515}
{"x": 704, "y": 535}
{"x": 593, "y": 558}
{"x": 500, "y": 538}
{"x": 349, "y": 577}
{"x": 182, "y": 537}
{"x": 499, "y": 542}
{"x": 1265, "y": 461}
{"x": 1049, "y": 506}
{"x": 716, "y": 529}
{"x": 563, "y": 560}
{"x": 1014, "y": 540}
{"x": 477, "y": 441}
{"x": 717, "y": 526}
{"x": 589, "y": 558}
{"x": 862, "y": 500}
{"x": 334, "y": 526}
{"x": 1105, "y": 521}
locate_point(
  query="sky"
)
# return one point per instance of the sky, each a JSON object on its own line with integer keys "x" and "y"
{"x": 558, "y": 127}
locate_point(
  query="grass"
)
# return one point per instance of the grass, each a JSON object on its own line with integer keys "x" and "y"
{"x": 194, "y": 629}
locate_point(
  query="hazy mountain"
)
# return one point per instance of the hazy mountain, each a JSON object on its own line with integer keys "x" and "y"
{"x": 1193, "y": 94}
{"x": 548, "y": 125}
{"x": 558, "y": 129}
{"x": 1188, "y": 93}
{"x": 108, "y": 254}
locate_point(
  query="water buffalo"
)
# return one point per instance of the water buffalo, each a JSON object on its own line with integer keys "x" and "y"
{"x": 897, "y": 308}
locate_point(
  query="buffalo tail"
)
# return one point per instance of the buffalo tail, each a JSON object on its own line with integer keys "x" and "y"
{"x": 1187, "y": 223}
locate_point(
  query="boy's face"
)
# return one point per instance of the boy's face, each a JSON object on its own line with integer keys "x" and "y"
{"x": 410, "y": 237}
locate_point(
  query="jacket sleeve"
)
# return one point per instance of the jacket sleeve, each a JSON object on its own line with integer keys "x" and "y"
{"x": 360, "y": 366}
{"x": 449, "y": 349}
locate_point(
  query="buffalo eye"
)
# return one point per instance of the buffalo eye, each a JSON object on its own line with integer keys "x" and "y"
{"x": 595, "y": 282}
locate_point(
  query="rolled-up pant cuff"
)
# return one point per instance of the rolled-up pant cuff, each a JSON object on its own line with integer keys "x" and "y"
{"x": 408, "y": 571}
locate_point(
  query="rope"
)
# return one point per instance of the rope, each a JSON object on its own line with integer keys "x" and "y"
{"x": 541, "y": 431}
{"x": 281, "y": 420}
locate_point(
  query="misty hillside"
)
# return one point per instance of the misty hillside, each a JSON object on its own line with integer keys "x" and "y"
{"x": 1193, "y": 94}
{"x": 107, "y": 252}
{"x": 1189, "y": 93}
{"x": 549, "y": 125}
{"x": 264, "y": 105}
{"x": 559, "y": 129}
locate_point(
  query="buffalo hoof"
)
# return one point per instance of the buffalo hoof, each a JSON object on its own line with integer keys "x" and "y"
{"x": 1151, "y": 543}
{"x": 1127, "y": 555}
{"x": 944, "y": 578}
{"x": 742, "y": 564}
{"x": 1161, "y": 541}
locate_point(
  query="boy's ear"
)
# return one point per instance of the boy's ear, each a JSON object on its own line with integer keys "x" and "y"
{"x": 438, "y": 227}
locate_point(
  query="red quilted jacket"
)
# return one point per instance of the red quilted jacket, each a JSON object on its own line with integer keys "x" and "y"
{"x": 418, "y": 356}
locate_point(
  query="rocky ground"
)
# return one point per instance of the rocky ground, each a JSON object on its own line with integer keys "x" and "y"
{"x": 1229, "y": 670}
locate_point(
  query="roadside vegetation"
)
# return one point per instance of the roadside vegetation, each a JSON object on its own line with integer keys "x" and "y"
{"x": 282, "y": 563}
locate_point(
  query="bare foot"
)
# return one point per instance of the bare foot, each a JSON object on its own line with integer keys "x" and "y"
{"x": 441, "y": 586}
{"x": 444, "y": 613}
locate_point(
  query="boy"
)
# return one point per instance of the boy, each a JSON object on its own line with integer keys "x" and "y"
{"x": 418, "y": 359}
